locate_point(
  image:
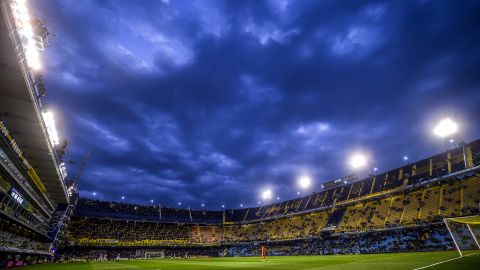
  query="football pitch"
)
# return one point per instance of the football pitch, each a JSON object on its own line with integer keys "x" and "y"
{"x": 341, "y": 262}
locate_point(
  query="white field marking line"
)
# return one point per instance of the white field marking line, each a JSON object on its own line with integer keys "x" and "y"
{"x": 352, "y": 262}
{"x": 423, "y": 267}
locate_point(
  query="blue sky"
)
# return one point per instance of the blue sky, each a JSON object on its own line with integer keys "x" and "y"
{"x": 213, "y": 101}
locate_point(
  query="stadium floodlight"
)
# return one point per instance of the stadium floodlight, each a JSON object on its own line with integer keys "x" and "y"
{"x": 241, "y": 205}
{"x": 94, "y": 193}
{"x": 298, "y": 192}
{"x": 32, "y": 56}
{"x": 179, "y": 203}
{"x": 259, "y": 202}
{"x": 123, "y": 197}
{"x": 49, "y": 120}
{"x": 151, "y": 201}
{"x": 445, "y": 128}
{"x": 304, "y": 181}
{"x": 405, "y": 158}
{"x": 278, "y": 198}
{"x": 223, "y": 205}
{"x": 375, "y": 169}
{"x": 358, "y": 161}
{"x": 203, "y": 205}
{"x": 267, "y": 194}
{"x": 25, "y": 30}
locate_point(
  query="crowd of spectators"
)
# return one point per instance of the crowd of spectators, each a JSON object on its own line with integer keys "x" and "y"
{"x": 9, "y": 260}
{"x": 295, "y": 227}
{"x": 118, "y": 210}
{"x": 16, "y": 250}
{"x": 96, "y": 254}
{"x": 416, "y": 207}
{"x": 13, "y": 242}
{"x": 427, "y": 238}
{"x": 433, "y": 237}
{"x": 107, "y": 232}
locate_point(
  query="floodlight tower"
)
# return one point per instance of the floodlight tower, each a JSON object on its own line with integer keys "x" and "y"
{"x": 446, "y": 129}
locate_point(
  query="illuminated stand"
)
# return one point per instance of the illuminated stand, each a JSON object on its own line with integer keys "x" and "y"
{"x": 465, "y": 233}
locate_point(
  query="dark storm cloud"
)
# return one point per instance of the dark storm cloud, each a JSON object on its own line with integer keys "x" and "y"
{"x": 211, "y": 101}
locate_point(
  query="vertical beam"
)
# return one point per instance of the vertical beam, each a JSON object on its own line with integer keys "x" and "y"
{"x": 199, "y": 234}
{"x": 373, "y": 184}
{"x": 324, "y": 220}
{"x": 453, "y": 238}
{"x": 421, "y": 202}
{"x": 350, "y": 191}
{"x": 440, "y": 199}
{"x": 430, "y": 167}
{"x": 324, "y": 197}
{"x": 388, "y": 212}
{"x": 467, "y": 155}
{"x": 461, "y": 197}
{"x": 449, "y": 162}
{"x": 335, "y": 197}
{"x": 246, "y": 214}
{"x": 465, "y": 159}
{"x": 403, "y": 209}
{"x": 375, "y": 216}
{"x": 361, "y": 215}
{"x": 309, "y": 197}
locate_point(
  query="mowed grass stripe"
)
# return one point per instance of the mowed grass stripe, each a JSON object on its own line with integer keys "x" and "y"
{"x": 395, "y": 261}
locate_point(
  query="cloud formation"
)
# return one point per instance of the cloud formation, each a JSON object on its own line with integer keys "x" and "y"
{"x": 211, "y": 101}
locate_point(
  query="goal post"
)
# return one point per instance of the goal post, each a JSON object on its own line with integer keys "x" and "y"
{"x": 465, "y": 233}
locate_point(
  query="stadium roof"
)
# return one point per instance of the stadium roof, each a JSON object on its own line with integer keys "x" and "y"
{"x": 23, "y": 118}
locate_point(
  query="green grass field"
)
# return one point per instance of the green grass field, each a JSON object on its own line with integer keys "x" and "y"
{"x": 394, "y": 261}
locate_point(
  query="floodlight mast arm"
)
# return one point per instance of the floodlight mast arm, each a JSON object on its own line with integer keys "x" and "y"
{"x": 84, "y": 163}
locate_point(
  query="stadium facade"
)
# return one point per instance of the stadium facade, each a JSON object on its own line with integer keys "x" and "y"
{"x": 398, "y": 210}
{"x": 33, "y": 191}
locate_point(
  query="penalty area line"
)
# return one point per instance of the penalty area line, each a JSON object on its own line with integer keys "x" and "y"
{"x": 433, "y": 264}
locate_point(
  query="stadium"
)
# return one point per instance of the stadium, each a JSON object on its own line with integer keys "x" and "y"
{"x": 422, "y": 214}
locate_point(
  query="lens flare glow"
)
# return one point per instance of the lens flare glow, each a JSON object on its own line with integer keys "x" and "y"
{"x": 267, "y": 194}
{"x": 445, "y": 128}
{"x": 304, "y": 181}
{"x": 358, "y": 161}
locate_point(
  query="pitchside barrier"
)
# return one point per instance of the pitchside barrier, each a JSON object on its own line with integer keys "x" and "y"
{"x": 465, "y": 232}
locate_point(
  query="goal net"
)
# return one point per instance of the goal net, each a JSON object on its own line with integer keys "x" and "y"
{"x": 154, "y": 254}
{"x": 465, "y": 233}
